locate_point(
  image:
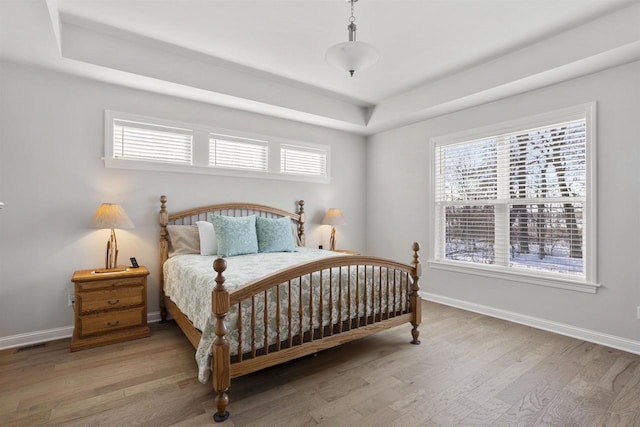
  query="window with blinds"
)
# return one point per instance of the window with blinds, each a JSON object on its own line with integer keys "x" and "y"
{"x": 134, "y": 141}
{"x": 517, "y": 201}
{"x": 302, "y": 160}
{"x": 149, "y": 142}
{"x": 227, "y": 151}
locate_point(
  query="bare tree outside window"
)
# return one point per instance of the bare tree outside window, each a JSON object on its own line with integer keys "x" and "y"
{"x": 533, "y": 181}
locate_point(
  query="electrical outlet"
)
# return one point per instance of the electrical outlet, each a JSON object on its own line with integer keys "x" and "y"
{"x": 638, "y": 312}
{"x": 71, "y": 297}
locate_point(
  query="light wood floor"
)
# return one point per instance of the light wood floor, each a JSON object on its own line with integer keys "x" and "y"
{"x": 470, "y": 370}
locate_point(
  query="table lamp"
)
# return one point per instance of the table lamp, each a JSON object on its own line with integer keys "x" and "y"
{"x": 333, "y": 217}
{"x": 111, "y": 215}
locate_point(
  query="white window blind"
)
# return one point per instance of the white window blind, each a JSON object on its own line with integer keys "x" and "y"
{"x": 139, "y": 142}
{"x": 515, "y": 200}
{"x": 303, "y": 160}
{"x": 227, "y": 151}
{"x": 149, "y": 142}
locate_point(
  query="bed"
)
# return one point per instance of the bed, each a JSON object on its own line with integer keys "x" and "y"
{"x": 250, "y": 311}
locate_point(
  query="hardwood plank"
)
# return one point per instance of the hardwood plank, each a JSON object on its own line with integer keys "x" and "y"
{"x": 561, "y": 408}
{"x": 486, "y": 414}
{"x": 507, "y": 370}
{"x": 592, "y": 408}
{"x": 289, "y": 410}
{"x": 625, "y": 408}
{"x": 343, "y": 419}
{"x": 329, "y": 409}
{"x": 470, "y": 370}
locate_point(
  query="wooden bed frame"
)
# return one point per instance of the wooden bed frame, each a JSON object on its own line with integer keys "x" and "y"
{"x": 224, "y": 366}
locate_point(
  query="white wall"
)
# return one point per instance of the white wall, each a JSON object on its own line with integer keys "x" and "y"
{"x": 397, "y": 200}
{"x": 52, "y": 179}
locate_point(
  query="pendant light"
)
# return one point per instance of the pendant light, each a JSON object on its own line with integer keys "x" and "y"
{"x": 353, "y": 55}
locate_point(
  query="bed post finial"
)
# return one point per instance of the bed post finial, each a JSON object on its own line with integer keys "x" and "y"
{"x": 164, "y": 254}
{"x": 414, "y": 298}
{"x": 221, "y": 360}
{"x": 301, "y": 227}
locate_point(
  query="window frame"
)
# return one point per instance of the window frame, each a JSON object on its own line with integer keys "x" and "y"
{"x": 302, "y": 147}
{"x": 589, "y": 283}
{"x": 241, "y": 141}
{"x": 153, "y": 131}
{"x": 200, "y": 151}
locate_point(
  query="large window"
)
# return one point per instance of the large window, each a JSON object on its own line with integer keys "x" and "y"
{"x": 139, "y": 142}
{"x": 517, "y": 200}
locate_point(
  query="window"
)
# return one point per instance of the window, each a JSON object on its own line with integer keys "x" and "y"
{"x": 147, "y": 142}
{"x": 139, "y": 142}
{"x": 519, "y": 201}
{"x": 227, "y": 151}
{"x": 303, "y": 160}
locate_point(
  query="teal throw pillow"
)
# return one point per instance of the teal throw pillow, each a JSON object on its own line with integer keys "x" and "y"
{"x": 235, "y": 235}
{"x": 274, "y": 235}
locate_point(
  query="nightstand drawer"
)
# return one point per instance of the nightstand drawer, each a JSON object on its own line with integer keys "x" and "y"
{"x": 110, "y": 283}
{"x": 110, "y": 299}
{"x": 111, "y": 321}
{"x": 110, "y": 307}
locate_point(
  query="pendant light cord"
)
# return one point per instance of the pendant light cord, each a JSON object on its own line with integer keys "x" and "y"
{"x": 352, "y": 24}
{"x": 352, "y": 18}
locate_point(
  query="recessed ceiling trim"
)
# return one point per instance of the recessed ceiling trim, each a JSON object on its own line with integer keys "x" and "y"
{"x": 545, "y": 63}
{"x": 111, "y": 54}
{"x": 54, "y": 16}
{"x": 173, "y": 64}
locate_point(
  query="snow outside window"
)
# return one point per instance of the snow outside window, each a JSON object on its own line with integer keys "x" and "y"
{"x": 519, "y": 200}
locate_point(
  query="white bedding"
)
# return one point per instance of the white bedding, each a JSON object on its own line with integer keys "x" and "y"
{"x": 189, "y": 281}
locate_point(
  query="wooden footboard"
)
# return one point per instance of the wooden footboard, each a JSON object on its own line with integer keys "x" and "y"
{"x": 380, "y": 295}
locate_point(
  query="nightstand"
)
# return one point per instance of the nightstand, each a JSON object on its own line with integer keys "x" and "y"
{"x": 109, "y": 307}
{"x": 347, "y": 252}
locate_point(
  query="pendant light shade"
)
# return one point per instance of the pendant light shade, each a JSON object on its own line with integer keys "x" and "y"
{"x": 352, "y": 56}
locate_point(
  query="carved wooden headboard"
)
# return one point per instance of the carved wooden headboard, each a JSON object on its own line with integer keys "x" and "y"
{"x": 190, "y": 216}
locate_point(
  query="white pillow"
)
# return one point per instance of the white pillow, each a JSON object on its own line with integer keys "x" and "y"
{"x": 208, "y": 243}
{"x": 294, "y": 233}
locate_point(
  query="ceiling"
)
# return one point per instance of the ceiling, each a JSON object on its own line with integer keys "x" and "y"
{"x": 267, "y": 56}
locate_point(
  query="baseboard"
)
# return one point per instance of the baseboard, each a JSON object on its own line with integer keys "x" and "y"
{"x": 613, "y": 341}
{"x": 36, "y": 337}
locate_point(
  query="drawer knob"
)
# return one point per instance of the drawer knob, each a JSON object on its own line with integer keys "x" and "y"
{"x": 113, "y": 302}
{"x": 112, "y": 324}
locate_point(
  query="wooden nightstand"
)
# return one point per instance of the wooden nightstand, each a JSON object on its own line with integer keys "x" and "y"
{"x": 109, "y": 307}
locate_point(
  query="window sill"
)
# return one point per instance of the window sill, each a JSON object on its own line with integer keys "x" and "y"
{"x": 540, "y": 278}
{"x": 243, "y": 173}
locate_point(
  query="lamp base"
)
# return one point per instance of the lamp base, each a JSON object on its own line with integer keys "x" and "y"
{"x": 332, "y": 240}
{"x": 110, "y": 270}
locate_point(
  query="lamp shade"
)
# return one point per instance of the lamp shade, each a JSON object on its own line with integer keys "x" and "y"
{"x": 352, "y": 56}
{"x": 111, "y": 215}
{"x": 333, "y": 217}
